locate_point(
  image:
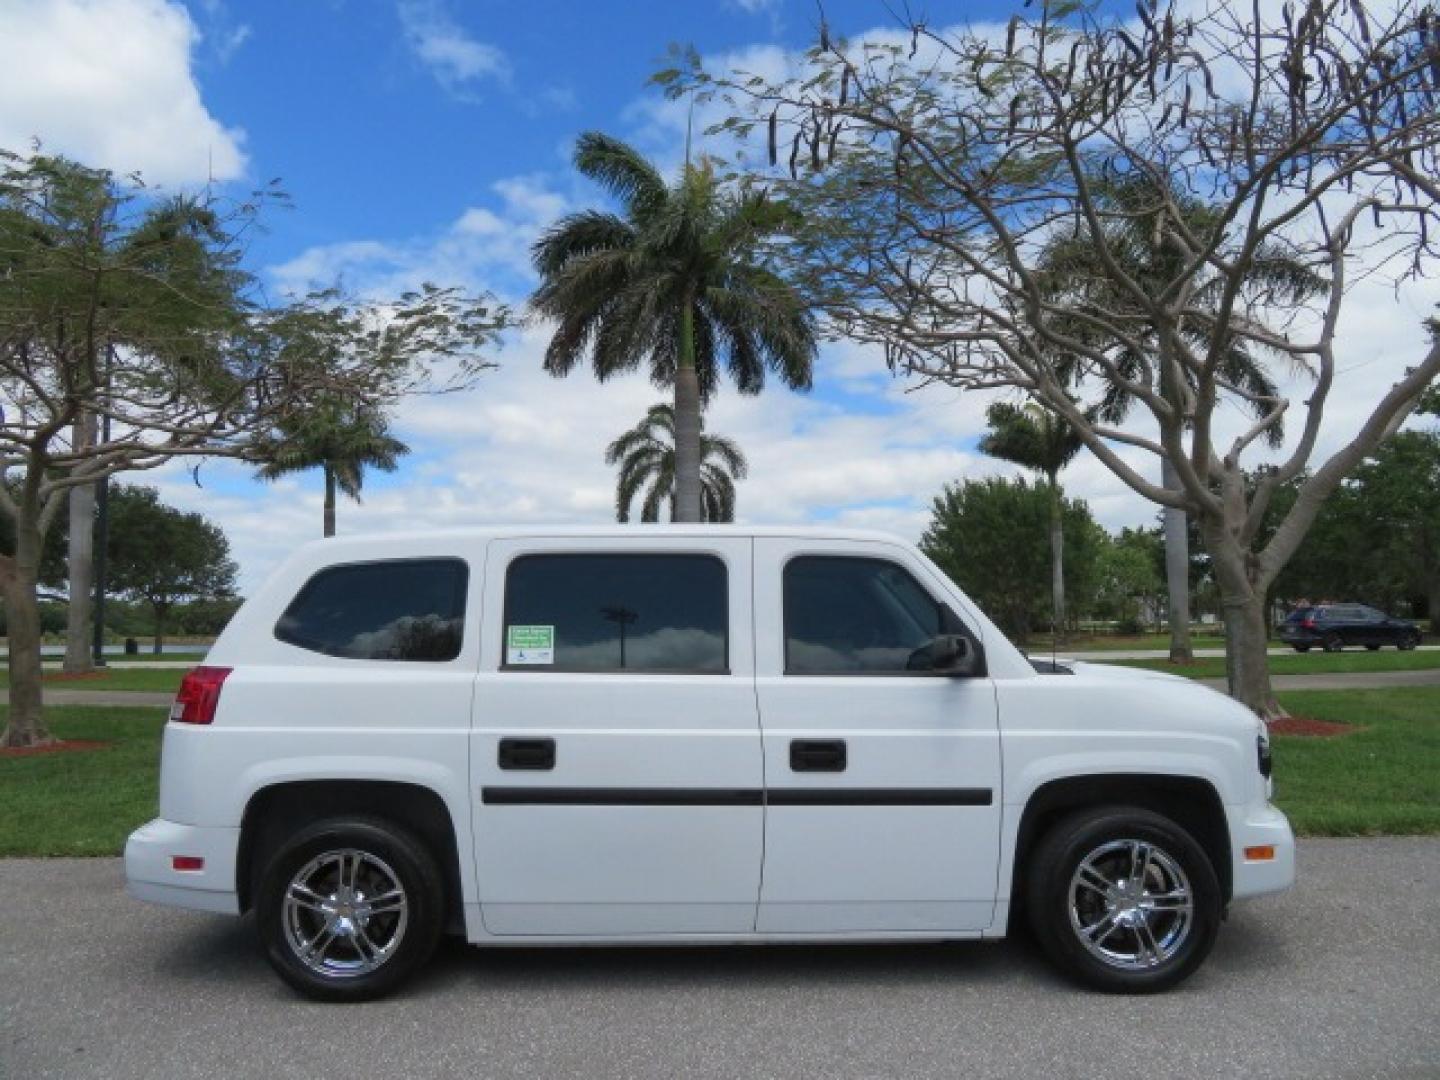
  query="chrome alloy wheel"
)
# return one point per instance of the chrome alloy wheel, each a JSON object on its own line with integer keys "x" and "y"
{"x": 1131, "y": 905}
{"x": 344, "y": 913}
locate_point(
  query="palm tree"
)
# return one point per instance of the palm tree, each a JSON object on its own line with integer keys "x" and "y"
{"x": 1038, "y": 439}
{"x": 1136, "y": 207}
{"x": 678, "y": 282}
{"x": 646, "y": 455}
{"x": 343, "y": 441}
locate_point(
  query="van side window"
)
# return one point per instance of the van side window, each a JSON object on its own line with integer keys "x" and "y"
{"x": 399, "y": 609}
{"x": 857, "y": 616}
{"x": 616, "y": 613}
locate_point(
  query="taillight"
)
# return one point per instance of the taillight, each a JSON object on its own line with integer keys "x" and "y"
{"x": 1308, "y": 624}
{"x": 199, "y": 695}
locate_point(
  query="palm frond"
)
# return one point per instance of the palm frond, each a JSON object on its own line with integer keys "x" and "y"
{"x": 727, "y": 451}
{"x": 576, "y": 235}
{"x": 645, "y": 455}
{"x": 660, "y": 492}
{"x": 615, "y": 287}
{"x": 623, "y": 171}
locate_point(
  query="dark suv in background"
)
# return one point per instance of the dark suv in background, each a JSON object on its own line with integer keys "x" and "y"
{"x": 1333, "y": 626}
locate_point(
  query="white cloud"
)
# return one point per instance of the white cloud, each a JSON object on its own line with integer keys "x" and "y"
{"x": 483, "y": 246}
{"x": 524, "y": 447}
{"x": 230, "y": 41}
{"x": 444, "y": 46}
{"x": 109, "y": 82}
{"x": 864, "y": 450}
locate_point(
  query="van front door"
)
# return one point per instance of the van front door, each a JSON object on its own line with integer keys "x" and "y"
{"x": 615, "y": 755}
{"x": 882, "y": 778}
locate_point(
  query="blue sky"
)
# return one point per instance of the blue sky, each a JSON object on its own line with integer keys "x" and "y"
{"x": 430, "y": 139}
{"x": 381, "y": 116}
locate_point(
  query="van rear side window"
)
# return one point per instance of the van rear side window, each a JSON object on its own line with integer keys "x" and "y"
{"x": 398, "y": 609}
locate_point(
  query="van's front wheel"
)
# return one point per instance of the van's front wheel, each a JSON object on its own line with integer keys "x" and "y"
{"x": 348, "y": 908}
{"x": 1123, "y": 900}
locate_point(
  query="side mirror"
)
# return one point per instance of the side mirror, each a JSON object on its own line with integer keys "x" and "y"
{"x": 958, "y": 655}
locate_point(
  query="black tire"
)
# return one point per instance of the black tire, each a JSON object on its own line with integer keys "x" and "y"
{"x": 1408, "y": 642}
{"x": 1301, "y": 648}
{"x": 1056, "y": 860}
{"x": 1333, "y": 643}
{"x": 1373, "y": 648}
{"x": 390, "y": 855}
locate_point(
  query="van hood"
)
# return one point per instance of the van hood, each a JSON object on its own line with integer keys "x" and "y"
{"x": 1107, "y": 672}
{"x": 1131, "y": 676}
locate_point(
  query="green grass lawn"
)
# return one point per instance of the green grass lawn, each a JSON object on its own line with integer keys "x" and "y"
{"x": 142, "y": 657}
{"x": 1383, "y": 778}
{"x": 155, "y": 680}
{"x": 1351, "y": 660}
{"x": 86, "y": 802}
{"x": 1039, "y": 644}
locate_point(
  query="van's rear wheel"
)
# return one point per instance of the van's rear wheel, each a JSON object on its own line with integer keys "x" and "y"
{"x": 348, "y": 908}
{"x": 1123, "y": 900}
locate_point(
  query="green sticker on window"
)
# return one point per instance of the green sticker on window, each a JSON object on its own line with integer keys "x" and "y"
{"x": 530, "y": 645}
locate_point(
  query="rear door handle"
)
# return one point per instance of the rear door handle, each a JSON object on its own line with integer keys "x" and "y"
{"x": 817, "y": 755}
{"x": 531, "y": 754}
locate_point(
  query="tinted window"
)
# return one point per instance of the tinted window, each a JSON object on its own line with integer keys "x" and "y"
{"x": 616, "y": 613}
{"x": 411, "y": 609}
{"x": 1300, "y": 614}
{"x": 848, "y": 615}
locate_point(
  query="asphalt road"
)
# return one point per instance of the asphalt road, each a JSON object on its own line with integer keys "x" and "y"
{"x": 1340, "y": 978}
{"x": 1157, "y": 654}
{"x": 1347, "y": 680}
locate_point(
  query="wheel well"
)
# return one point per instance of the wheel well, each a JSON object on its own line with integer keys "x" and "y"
{"x": 1192, "y": 804}
{"x": 276, "y": 811}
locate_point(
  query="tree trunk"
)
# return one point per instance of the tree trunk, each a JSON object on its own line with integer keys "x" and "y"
{"x": 80, "y": 567}
{"x": 1247, "y": 655}
{"x": 1177, "y": 572}
{"x": 19, "y": 578}
{"x": 687, "y": 424}
{"x": 159, "y": 646}
{"x": 1057, "y": 559}
{"x": 329, "y": 501}
{"x": 1243, "y": 607}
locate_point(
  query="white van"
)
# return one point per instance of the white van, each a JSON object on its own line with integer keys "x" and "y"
{"x": 639, "y": 735}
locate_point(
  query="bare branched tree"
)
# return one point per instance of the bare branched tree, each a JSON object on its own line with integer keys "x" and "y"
{"x": 935, "y": 170}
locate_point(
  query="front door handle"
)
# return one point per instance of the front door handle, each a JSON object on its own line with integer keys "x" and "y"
{"x": 533, "y": 754}
{"x": 817, "y": 755}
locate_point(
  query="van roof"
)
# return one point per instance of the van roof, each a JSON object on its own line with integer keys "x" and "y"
{"x": 494, "y": 532}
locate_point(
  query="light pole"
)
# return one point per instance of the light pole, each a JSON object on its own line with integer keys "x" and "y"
{"x": 622, "y": 616}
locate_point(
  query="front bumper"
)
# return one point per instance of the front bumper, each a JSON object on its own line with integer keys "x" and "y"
{"x": 150, "y": 873}
{"x": 1262, "y": 826}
